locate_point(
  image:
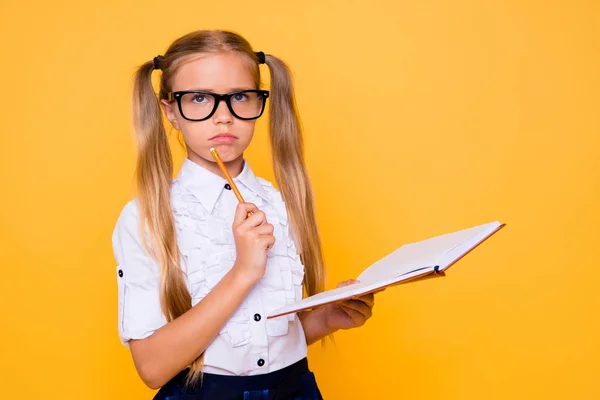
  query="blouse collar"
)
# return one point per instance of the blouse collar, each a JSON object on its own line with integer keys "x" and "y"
{"x": 207, "y": 186}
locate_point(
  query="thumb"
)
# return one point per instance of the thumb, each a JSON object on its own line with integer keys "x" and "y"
{"x": 241, "y": 212}
{"x": 346, "y": 283}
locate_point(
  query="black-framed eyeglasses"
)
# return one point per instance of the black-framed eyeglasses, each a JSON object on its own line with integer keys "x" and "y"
{"x": 198, "y": 105}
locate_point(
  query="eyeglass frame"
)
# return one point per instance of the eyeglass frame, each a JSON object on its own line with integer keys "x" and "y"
{"x": 218, "y": 97}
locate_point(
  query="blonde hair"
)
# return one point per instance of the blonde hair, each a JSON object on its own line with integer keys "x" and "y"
{"x": 154, "y": 169}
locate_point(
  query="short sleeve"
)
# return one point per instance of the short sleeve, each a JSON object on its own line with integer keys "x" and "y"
{"x": 138, "y": 279}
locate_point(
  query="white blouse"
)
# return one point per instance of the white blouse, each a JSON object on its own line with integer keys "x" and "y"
{"x": 204, "y": 207}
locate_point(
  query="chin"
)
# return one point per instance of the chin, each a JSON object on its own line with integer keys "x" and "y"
{"x": 227, "y": 152}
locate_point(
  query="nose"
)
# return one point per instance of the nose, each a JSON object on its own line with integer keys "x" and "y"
{"x": 222, "y": 115}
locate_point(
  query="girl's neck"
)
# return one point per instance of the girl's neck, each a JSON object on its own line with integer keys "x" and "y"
{"x": 234, "y": 167}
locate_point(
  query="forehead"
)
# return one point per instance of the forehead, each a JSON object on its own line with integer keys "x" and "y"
{"x": 219, "y": 72}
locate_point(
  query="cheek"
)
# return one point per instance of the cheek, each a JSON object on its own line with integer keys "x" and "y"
{"x": 196, "y": 133}
{"x": 245, "y": 130}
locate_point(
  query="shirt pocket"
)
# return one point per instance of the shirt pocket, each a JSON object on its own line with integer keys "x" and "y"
{"x": 271, "y": 301}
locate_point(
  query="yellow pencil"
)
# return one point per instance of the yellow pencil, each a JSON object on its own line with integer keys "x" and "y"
{"x": 214, "y": 153}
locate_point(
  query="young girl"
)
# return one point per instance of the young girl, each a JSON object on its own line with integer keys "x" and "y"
{"x": 198, "y": 272}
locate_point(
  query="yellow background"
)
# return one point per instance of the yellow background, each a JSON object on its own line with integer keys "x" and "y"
{"x": 421, "y": 118}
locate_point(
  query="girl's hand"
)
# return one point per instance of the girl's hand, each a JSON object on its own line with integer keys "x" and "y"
{"x": 253, "y": 238}
{"x": 350, "y": 313}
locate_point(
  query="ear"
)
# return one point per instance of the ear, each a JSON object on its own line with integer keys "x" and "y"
{"x": 170, "y": 112}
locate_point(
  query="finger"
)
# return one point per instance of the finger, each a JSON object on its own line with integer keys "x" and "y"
{"x": 357, "y": 318}
{"x": 268, "y": 241}
{"x": 358, "y": 306}
{"x": 241, "y": 212}
{"x": 256, "y": 219}
{"x": 265, "y": 229}
{"x": 346, "y": 283}
{"x": 368, "y": 299}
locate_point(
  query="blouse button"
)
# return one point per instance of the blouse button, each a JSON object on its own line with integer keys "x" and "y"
{"x": 257, "y": 317}
{"x": 227, "y": 186}
{"x": 120, "y": 273}
{"x": 261, "y": 362}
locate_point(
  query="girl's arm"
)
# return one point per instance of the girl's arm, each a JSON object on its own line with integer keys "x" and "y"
{"x": 344, "y": 315}
{"x": 174, "y": 346}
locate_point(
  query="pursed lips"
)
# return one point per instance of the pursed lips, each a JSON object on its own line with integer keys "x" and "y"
{"x": 224, "y": 138}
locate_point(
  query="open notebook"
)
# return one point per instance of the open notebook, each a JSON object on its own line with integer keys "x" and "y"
{"x": 424, "y": 259}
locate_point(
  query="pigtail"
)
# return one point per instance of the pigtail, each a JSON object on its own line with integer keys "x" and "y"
{"x": 154, "y": 171}
{"x": 290, "y": 173}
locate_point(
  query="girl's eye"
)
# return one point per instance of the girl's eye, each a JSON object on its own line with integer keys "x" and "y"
{"x": 200, "y": 98}
{"x": 240, "y": 97}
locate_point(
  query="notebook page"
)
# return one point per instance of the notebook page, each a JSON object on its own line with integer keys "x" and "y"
{"x": 426, "y": 253}
{"x": 473, "y": 236}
